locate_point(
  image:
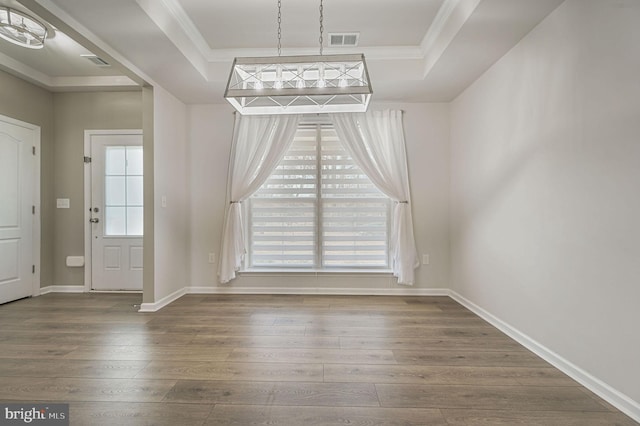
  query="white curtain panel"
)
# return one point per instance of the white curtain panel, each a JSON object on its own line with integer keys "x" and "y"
{"x": 259, "y": 142}
{"x": 376, "y": 143}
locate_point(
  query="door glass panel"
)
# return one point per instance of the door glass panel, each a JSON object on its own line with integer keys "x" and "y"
{"x": 115, "y": 220}
{"x": 134, "y": 191}
{"x": 134, "y": 160}
{"x": 114, "y": 160}
{"x": 123, "y": 191}
{"x": 114, "y": 191}
{"x": 135, "y": 223}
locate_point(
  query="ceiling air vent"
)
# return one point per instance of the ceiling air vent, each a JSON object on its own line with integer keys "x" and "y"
{"x": 97, "y": 60}
{"x": 343, "y": 39}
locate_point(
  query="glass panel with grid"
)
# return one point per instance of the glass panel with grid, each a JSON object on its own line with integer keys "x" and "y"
{"x": 123, "y": 193}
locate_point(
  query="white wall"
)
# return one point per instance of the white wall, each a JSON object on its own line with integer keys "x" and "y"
{"x": 209, "y": 142}
{"x": 171, "y": 181}
{"x": 545, "y": 189}
{"x": 427, "y": 137}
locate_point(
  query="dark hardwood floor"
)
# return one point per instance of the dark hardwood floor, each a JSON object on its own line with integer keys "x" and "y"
{"x": 281, "y": 360}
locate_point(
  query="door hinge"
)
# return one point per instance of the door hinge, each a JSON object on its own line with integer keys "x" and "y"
{"x": 33, "y": 150}
{"x": 33, "y": 269}
{"x": 87, "y": 159}
{"x": 33, "y": 209}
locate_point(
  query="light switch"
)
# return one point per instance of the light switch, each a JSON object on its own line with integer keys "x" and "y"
{"x": 163, "y": 201}
{"x": 62, "y": 203}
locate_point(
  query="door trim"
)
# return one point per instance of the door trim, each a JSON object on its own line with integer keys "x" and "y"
{"x": 36, "y": 224}
{"x": 87, "y": 198}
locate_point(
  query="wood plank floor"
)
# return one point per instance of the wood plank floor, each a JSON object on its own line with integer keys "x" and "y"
{"x": 281, "y": 360}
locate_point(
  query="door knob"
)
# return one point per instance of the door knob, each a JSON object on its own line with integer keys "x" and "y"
{"x": 94, "y": 220}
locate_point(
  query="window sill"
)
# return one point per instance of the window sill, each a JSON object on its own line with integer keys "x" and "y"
{"x": 274, "y": 271}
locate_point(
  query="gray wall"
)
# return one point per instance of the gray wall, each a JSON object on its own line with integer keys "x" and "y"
{"x": 32, "y": 104}
{"x": 545, "y": 195}
{"x": 63, "y": 117}
{"x": 73, "y": 113}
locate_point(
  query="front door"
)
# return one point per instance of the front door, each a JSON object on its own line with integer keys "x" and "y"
{"x": 17, "y": 208}
{"x": 116, "y": 210}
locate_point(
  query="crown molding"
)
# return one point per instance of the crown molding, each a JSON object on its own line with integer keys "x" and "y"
{"x": 187, "y": 25}
{"x": 15, "y": 67}
{"x": 438, "y": 24}
{"x": 449, "y": 20}
{"x": 175, "y": 23}
{"x": 89, "y": 82}
{"x": 371, "y": 53}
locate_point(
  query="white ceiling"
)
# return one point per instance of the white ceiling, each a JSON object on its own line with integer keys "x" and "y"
{"x": 417, "y": 50}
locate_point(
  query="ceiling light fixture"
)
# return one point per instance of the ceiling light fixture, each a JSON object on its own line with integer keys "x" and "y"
{"x": 299, "y": 84}
{"x": 21, "y": 29}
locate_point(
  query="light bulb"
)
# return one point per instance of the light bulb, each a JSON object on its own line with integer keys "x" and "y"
{"x": 321, "y": 82}
{"x": 278, "y": 84}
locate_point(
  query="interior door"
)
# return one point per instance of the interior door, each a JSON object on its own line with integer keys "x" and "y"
{"x": 116, "y": 211}
{"x": 17, "y": 170}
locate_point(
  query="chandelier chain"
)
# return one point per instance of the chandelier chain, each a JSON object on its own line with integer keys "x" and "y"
{"x": 279, "y": 27}
{"x": 321, "y": 26}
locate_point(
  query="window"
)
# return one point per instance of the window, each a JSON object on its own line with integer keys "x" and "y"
{"x": 318, "y": 210}
{"x": 123, "y": 191}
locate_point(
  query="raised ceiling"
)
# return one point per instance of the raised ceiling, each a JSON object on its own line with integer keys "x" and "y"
{"x": 250, "y": 24}
{"x": 417, "y": 50}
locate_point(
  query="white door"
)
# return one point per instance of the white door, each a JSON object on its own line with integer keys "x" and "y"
{"x": 116, "y": 210}
{"x": 17, "y": 208}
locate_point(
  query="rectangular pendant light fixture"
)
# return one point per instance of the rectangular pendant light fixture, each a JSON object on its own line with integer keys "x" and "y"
{"x": 299, "y": 84}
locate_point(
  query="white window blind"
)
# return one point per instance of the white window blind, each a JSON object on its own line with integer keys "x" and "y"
{"x": 318, "y": 210}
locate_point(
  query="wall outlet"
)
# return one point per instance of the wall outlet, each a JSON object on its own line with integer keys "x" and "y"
{"x": 425, "y": 259}
{"x": 212, "y": 258}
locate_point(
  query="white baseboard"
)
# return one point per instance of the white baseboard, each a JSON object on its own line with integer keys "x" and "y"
{"x": 80, "y": 289}
{"x": 62, "y": 289}
{"x": 153, "y": 307}
{"x": 404, "y": 291}
{"x": 619, "y": 400}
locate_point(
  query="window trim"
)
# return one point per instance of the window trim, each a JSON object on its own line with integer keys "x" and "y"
{"x": 318, "y": 121}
